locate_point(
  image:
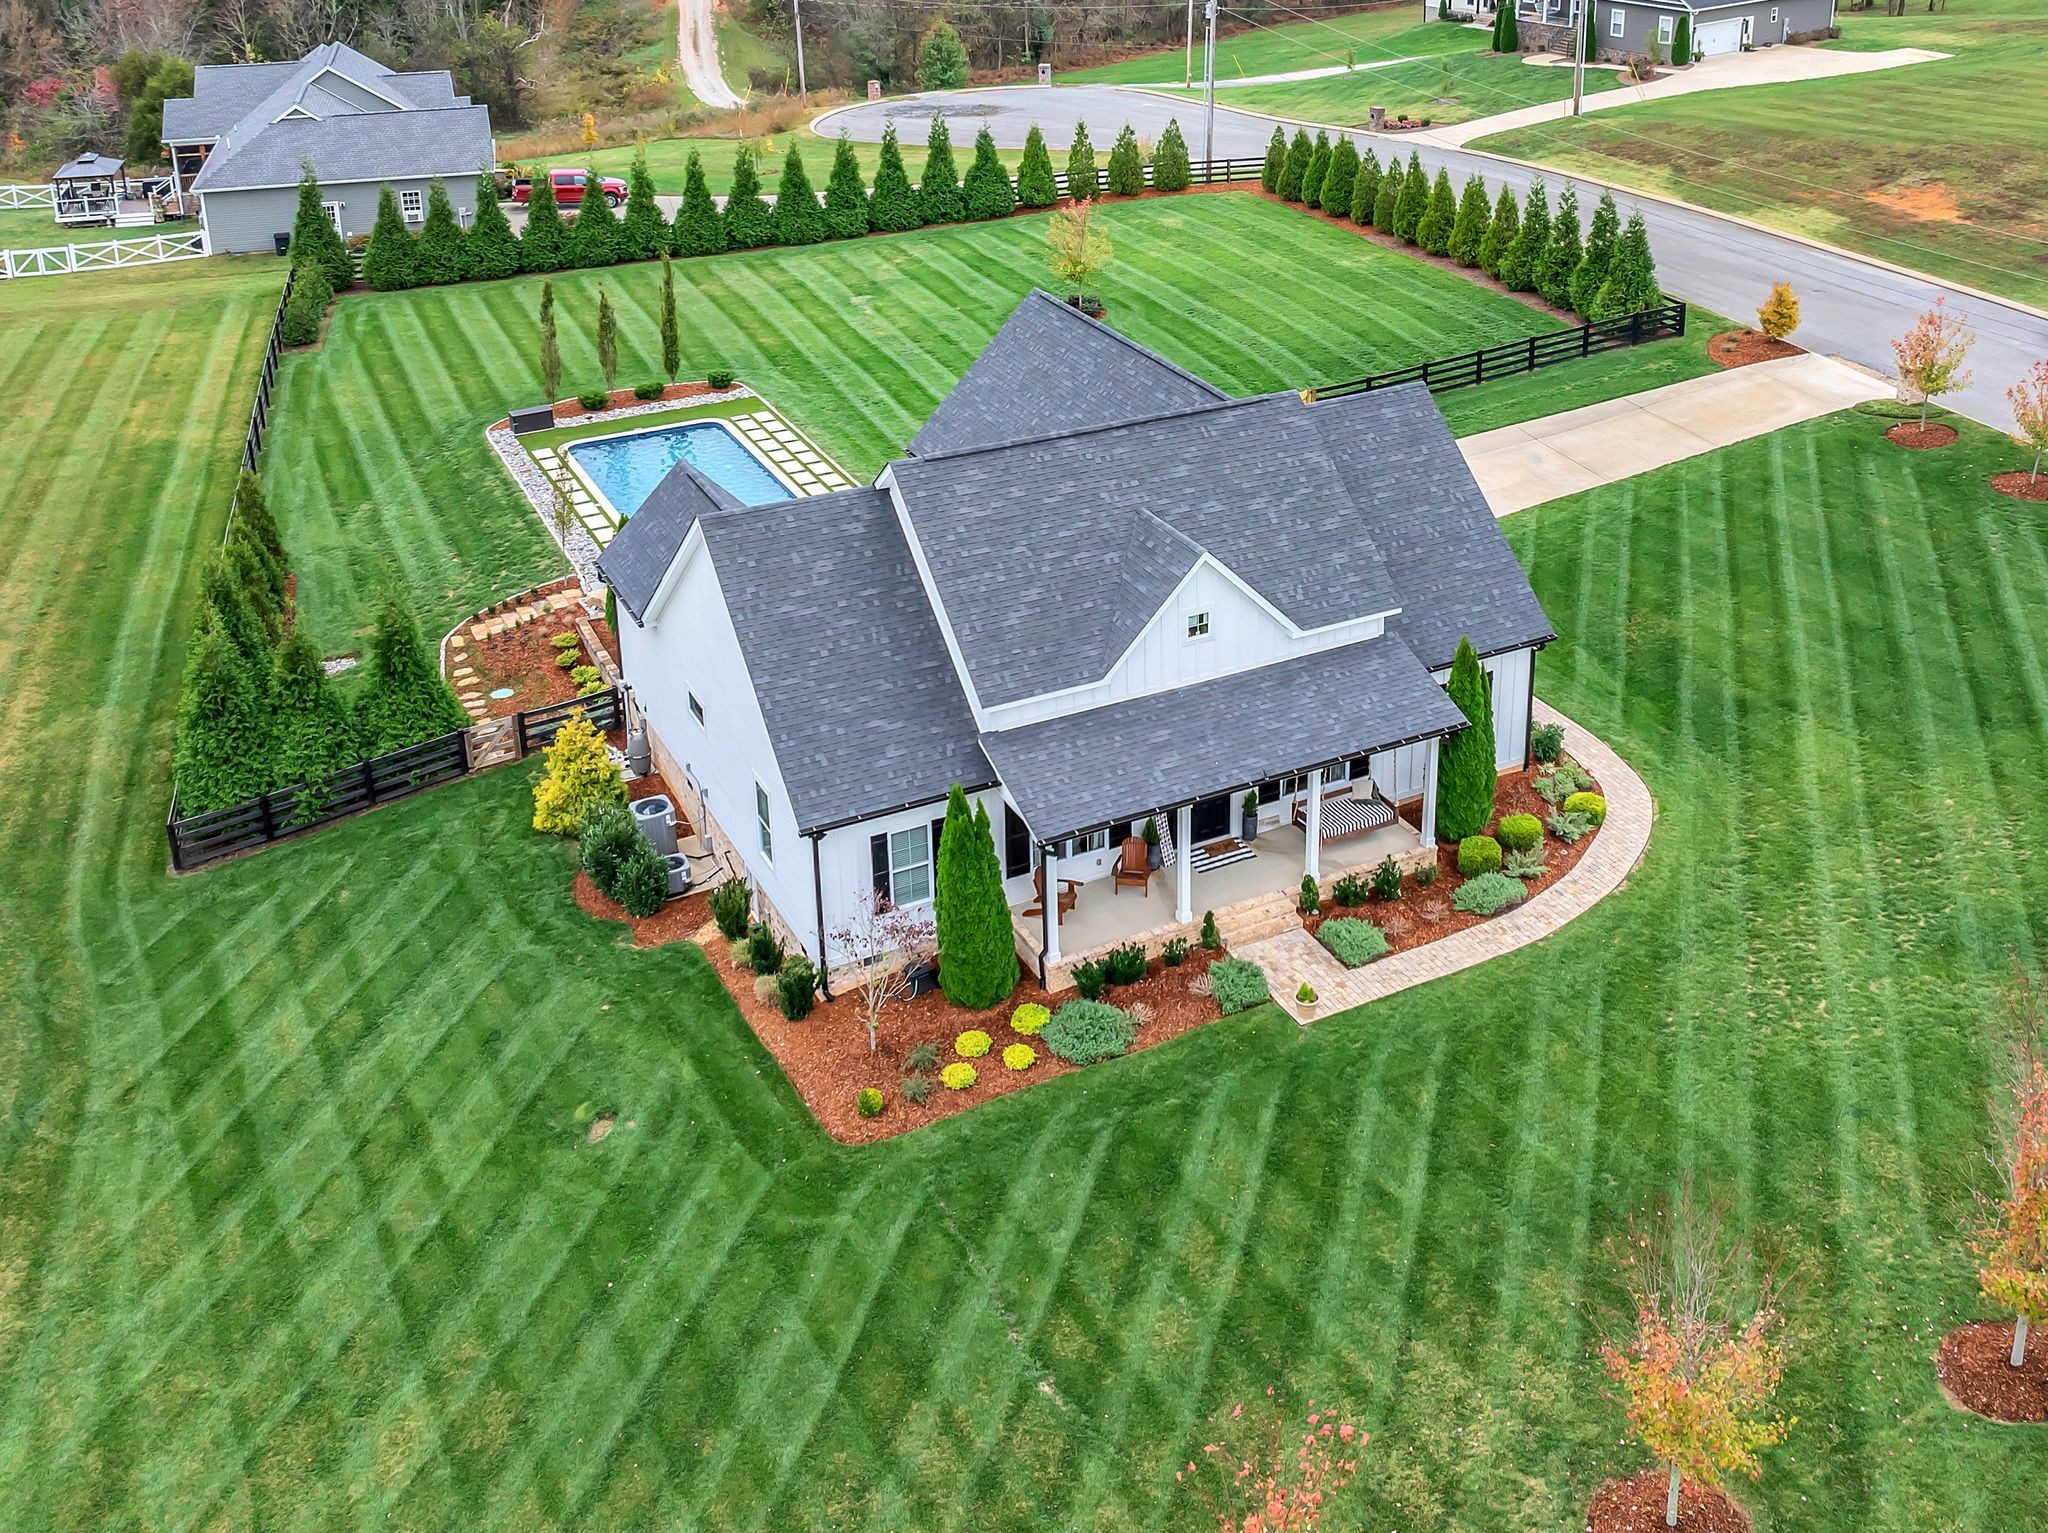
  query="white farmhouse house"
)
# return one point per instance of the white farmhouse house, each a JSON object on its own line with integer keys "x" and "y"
{"x": 1095, "y": 592}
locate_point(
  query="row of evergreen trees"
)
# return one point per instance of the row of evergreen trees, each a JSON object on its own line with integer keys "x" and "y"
{"x": 443, "y": 251}
{"x": 1603, "y": 272}
{"x": 258, "y": 711}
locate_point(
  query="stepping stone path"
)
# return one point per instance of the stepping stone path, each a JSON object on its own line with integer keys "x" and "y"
{"x": 469, "y": 687}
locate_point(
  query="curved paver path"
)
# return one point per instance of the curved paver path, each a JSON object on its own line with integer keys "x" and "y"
{"x": 1294, "y": 955}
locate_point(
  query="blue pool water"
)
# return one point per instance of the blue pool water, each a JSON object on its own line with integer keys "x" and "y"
{"x": 626, "y": 469}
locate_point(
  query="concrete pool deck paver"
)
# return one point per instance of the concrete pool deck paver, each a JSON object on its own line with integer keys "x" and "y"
{"x": 1541, "y": 460}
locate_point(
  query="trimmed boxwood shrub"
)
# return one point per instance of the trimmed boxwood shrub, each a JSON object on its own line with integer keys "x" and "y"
{"x": 607, "y": 836}
{"x": 869, "y": 1103}
{"x": 1489, "y": 894}
{"x": 1353, "y": 941}
{"x": 1478, "y": 854}
{"x": 958, "y": 1076}
{"x": 796, "y": 987}
{"x": 719, "y": 378}
{"x": 1238, "y": 984}
{"x": 1591, "y": 805}
{"x": 1519, "y": 832}
{"x": 653, "y": 388}
{"x": 1087, "y": 1032}
{"x": 642, "y": 879}
{"x": 593, "y": 399}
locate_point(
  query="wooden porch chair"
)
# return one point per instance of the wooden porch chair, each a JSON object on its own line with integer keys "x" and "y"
{"x": 1133, "y": 867}
{"x": 1070, "y": 891}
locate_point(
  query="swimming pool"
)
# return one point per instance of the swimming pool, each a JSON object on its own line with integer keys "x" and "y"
{"x": 625, "y": 469}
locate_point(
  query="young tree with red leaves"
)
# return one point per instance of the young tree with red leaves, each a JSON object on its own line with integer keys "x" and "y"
{"x": 2029, "y": 401}
{"x": 1259, "y": 1472}
{"x": 1697, "y": 1368}
{"x": 2012, "y": 1241}
{"x": 1930, "y": 356}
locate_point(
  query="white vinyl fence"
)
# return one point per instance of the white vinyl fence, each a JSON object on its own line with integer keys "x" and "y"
{"x": 28, "y": 197}
{"x": 106, "y": 255}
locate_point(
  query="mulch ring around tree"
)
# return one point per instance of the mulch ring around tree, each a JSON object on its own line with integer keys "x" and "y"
{"x": 1976, "y": 1373}
{"x": 1636, "y": 1505}
{"x": 1740, "y": 348}
{"x": 1920, "y": 437}
{"x": 2021, "y": 485}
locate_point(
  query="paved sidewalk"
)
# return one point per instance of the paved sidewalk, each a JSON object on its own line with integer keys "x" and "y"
{"x": 1540, "y": 460}
{"x": 1294, "y": 955}
{"x": 1766, "y": 66}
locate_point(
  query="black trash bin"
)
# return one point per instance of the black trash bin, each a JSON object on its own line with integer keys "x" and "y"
{"x": 284, "y": 243}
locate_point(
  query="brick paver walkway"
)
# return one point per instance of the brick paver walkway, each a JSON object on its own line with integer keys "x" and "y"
{"x": 1294, "y": 956}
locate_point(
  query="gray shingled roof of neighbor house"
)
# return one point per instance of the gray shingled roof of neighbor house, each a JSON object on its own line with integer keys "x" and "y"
{"x": 1051, "y": 556}
{"x": 1048, "y": 369}
{"x": 1084, "y": 770}
{"x": 358, "y": 147}
{"x": 640, "y": 553}
{"x": 854, "y": 682}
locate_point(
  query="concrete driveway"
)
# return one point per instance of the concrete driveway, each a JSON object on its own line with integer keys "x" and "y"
{"x": 1851, "y": 307}
{"x": 1539, "y": 460}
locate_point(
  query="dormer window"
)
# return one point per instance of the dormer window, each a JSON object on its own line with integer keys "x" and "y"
{"x": 1198, "y": 625}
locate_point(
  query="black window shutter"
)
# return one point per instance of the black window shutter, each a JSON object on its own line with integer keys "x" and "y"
{"x": 1016, "y": 844}
{"x": 938, "y": 826}
{"x": 1119, "y": 833}
{"x": 878, "y": 858}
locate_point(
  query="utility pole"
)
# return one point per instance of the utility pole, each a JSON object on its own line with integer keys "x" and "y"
{"x": 1187, "y": 76}
{"x": 797, "y": 11}
{"x": 1579, "y": 34}
{"x": 1209, "y": 77}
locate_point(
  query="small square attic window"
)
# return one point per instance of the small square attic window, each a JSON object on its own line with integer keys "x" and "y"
{"x": 1198, "y": 625}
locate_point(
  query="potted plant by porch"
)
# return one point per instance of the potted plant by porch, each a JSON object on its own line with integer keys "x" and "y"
{"x": 1249, "y": 828}
{"x": 1307, "y": 1000}
{"x": 1151, "y": 835}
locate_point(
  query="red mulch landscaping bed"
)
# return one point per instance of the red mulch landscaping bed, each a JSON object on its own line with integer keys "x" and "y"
{"x": 1636, "y": 1505}
{"x": 1739, "y": 348}
{"x": 1976, "y": 1373}
{"x": 1920, "y": 438}
{"x": 619, "y": 399}
{"x": 523, "y": 659}
{"x": 2021, "y": 485}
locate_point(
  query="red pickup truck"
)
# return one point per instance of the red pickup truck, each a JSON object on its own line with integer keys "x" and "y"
{"x": 569, "y": 186}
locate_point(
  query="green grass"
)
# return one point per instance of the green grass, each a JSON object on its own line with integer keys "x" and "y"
{"x": 1816, "y": 158}
{"x": 35, "y": 228}
{"x": 668, "y": 160}
{"x": 1285, "y": 48}
{"x": 1589, "y": 381}
{"x": 299, "y": 1227}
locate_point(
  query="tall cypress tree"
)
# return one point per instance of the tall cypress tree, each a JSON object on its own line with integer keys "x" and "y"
{"x": 1414, "y": 201}
{"x": 1318, "y": 167}
{"x": 262, "y": 582}
{"x": 1337, "y": 180}
{"x": 222, "y": 589}
{"x": 671, "y": 331}
{"x": 1632, "y": 276}
{"x": 1469, "y": 232}
{"x": 312, "y": 736}
{"x": 699, "y": 230}
{"x": 749, "y": 224}
{"x": 1365, "y": 188}
{"x": 938, "y": 193}
{"x": 404, "y": 700}
{"x": 1171, "y": 170}
{"x": 252, "y": 511}
{"x": 1465, "y": 772}
{"x": 798, "y": 218}
{"x": 894, "y": 205}
{"x": 594, "y": 239}
{"x": 388, "y": 263}
{"x": 1126, "y": 165}
{"x": 1561, "y": 254}
{"x": 846, "y": 194}
{"x": 222, "y": 751}
{"x": 1294, "y": 169}
{"x": 550, "y": 345}
{"x": 1601, "y": 236}
{"x": 987, "y": 190}
{"x": 643, "y": 234}
{"x": 438, "y": 256}
{"x": 314, "y": 237}
{"x": 544, "y": 246}
{"x": 607, "y": 338}
{"x": 1440, "y": 218}
{"x": 1518, "y": 266}
{"x": 1036, "y": 187}
{"x": 977, "y": 953}
{"x": 1082, "y": 179}
{"x": 492, "y": 249}
{"x": 1500, "y": 234}
{"x": 1276, "y": 160}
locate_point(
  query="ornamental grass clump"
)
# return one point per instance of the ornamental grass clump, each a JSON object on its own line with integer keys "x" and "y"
{"x": 972, "y": 1044}
{"x": 1088, "y": 1032}
{"x": 1238, "y": 984}
{"x": 1029, "y": 1019}
{"x": 1353, "y": 942}
{"x": 1489, "y": 894}
{"x": 1019, "y": 1056}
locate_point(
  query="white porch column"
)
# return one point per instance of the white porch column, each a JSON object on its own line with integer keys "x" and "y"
{"x": 1051, "y": 914}
{"x": 1184, "y": 864}
{"x": 1429, "y": 761}
{"x": 1312, "y": 854}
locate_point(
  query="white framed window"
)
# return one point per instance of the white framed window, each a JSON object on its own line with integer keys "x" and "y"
{"x": 910, "y": 865}
{"x": 1774, "y": 13}
{"x": 412, "y": 203}
{"x": 1198, "y": 625}
{"x": 696, "y": 708}
{"x": 465, "y": 216}
{"x": 761, "y": 814}
{"x": 1616, "y": 21}
{"x": 333, "y": 210}
{"x": 1664, "y": 24}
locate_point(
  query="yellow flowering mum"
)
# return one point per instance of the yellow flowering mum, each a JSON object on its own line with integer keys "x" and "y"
{"x": 971, "y": 1044}
{"x": 957, "y": 1077}
{"x": 1029, "y": 1018}
{"x": 1019, "y": 1056}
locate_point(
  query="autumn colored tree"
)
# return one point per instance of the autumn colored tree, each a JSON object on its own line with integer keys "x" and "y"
{"x": 1930, "y": 356}
{"x": 1696, "y": 1365}
{"x": 2012, "y": 1239}
{"x": 1262, "y": 1469}
{"x": 1779, "y": 316}
{"x": 2029, "y": 401}
{"x": 1078, "y": 252}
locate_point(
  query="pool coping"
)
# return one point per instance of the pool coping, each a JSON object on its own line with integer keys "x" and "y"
{"x": 567, "y": 454}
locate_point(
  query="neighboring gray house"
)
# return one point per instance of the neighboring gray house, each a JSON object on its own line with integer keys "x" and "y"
{"x": 1096, "y": 592}
{"x": 238, "y": 143}
{"x": 1624, "y": 29}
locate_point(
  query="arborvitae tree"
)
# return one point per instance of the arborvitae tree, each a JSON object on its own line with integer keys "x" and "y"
{"x": 941, "y": 59}
{"x": 307, "y": 307}
{"x": 1518, "y": 265}
{"x": 798, "y": 218}
{"x": 987, "y": 191}
{"x": 749, "y": 223}
{"x": 1414, "y": 203}
{"x": 544, "y": 246}
{"x": 1510, "y": 31}
{"x": 1126, "y": 165}
{"x": 438, "y": 256}
{"x": 938, "y": 193}
{"x": 222, "y": 588}
{"x": 1592, "y": 35}
{"x": 252, "y": 512}
{"x": 312, "y": 736}
{"x": 1497, "y": 43}
{"x": 1365, "y": 188}
{"x": 977, "y": 951}
{"x": 404, "y": 700}
{"x": 1294, "y": 170}
{"x": 262, "y": 582}
{"x": 1440, "y": 218}
{"x": 1318, "y": 168}
{"x": 1082, "y": 179}
{"x": 314, "y": 237}
{"x": 1632, "y": 277}
{"x": 643, "y": 234}
{"x": 492, "y": 249}
{"x": 1600, "y": 239}
{"x": 388, "y": 263}
{"x": 1469, "y": 232}
{"x": 671, "y": 331}
{"x": 699, "y": 229}
{"x": 1465, "y": 771}
{"x": 594, "y": 239}
{"x": 222, "y": 752}
{"x": 894, "y": 205}
{"x": 1681, "y": 39}
{"x": 1500, "y": 234}
{"x": 1561, "y": 255}
{"x": 846, "y": 194}
{"x": 580, "y": 775}
{"x": 1036, "y": 187}
{"x": 1387, "y": 201}
{"x": 1276, "y": 160}
{"x": 607, "y": 337}
{"x": 550, "y": 345}
{"x": 1171, "y": 171}
{"x": 1337, "y": 180}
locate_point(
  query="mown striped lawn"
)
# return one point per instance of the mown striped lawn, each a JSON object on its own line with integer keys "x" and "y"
{"x": 299, "y": 1227}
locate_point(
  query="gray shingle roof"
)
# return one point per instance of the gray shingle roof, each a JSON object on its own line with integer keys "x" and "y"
{"x": 1051, "y": 369}
{"x": 222, "y": 95}
{"x": 1084, "y": 770}
{"x": 641, "y": 551}
{"x": 1444, "y": 554}
{"x": 88, "y": 167}
{"x": 1051, "y": 556}
{"x": 363, "y": 146}
{"x": 854, "y": 682}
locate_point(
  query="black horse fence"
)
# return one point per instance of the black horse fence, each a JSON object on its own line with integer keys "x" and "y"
{"x": 1525, "y": 356}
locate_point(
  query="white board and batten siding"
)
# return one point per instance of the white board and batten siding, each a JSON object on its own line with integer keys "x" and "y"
{"x": 1509, "y": 674}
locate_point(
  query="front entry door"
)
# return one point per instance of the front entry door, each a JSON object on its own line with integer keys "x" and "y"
{"x": 1211, "y": 818}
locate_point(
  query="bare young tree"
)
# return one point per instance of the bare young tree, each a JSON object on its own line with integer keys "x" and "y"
{"x": 887, "y": 943}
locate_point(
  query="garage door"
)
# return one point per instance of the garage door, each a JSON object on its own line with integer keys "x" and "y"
{"x": 1712, "y": 37}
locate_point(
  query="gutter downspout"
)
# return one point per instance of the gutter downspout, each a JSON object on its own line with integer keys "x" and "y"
{"x": 1529, "y": 715}
{"x": 818, "y": 893}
